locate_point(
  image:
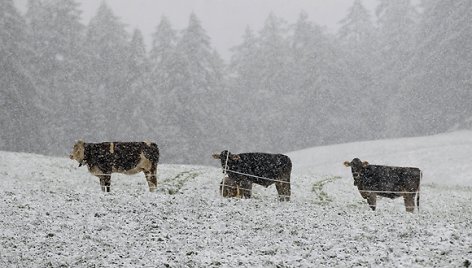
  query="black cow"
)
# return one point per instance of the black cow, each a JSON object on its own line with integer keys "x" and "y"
{"x": 261, "y": 168}
{"x": 386, "y": 181}
{"x": 129, "y": 158}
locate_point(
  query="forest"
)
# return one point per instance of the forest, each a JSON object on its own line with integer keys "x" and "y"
{"x": 403, "y": 70}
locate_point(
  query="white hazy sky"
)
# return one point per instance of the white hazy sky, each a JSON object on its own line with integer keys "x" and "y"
{"x": 224, "y": 20}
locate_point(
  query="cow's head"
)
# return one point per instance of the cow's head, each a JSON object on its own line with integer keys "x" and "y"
{"x": 78, "y": 152}
{"x": 226, "y": 158}
{"x": 357, "y": 168}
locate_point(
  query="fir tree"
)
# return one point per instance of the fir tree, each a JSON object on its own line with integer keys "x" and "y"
{"x": 57, "y": 38}
{"x": 397, "y": 24}
{"x": 18, "y": 94}
{"x": 438, "y": 79}
{"x": 108, "y": 70}
{"x": 198, "y": 84}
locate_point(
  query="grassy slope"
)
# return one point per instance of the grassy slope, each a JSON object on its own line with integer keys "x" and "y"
{"x": 54, "y": 214}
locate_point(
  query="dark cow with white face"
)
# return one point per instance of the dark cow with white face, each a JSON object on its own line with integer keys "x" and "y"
{"x": 260, "y": 168}
{"x": 103, "y": 159}
{"x": 386, "y": 181}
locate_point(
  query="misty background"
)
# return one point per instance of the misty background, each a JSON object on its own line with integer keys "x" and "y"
{"x": 388, "y": 69}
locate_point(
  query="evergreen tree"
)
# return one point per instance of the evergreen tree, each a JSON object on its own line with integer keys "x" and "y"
{"x": 138, "y": 61}
{"x": 108, "y": 71}
{"x": 198, "y": 84}
{"x": 359, "y": 40}
{"x": 137, "y": 106}
{"x": 397, "y": 25}
{"x": 438, "y": 79}
{"x": 356, "y": 28}
{"x": 324, "y": 86}
{"x": 242, "y": 65}
{"x": 163, "y": 80}
{"x": 273, "y": 55}
{"x": 271, "y": 96}
{"x": 57, "y": 38}
{"x": 18, "y": 94}
{"x": 164, "y": 64}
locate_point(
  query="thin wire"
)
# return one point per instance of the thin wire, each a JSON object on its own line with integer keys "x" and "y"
{"x": 250, "y": 175}
{"x": 236, "y": 187}
{"x": 390, "y": 192}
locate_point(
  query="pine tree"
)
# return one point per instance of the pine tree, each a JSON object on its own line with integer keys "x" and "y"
{"x": 163, "y": 79}
{"x": 323, "y": 84}
{"x": 306, "y": 42}
{"x": 163, "y": 57}
{"x": 271, "y": 96}
{"x": 356, "y": 28}
{"x": 138, "y": 60}
{"x": 108, "y": 71}
{"x": 273, "y": 55}
{"x": 57, "y": 38}
{"x": 397, "y": 25}
{"x": 359, "y": 40}
{"x": 164, "y": 63}
{"x": 18, "y": 93}
{"x": 397, "y": 22}
{"x": 438, "y": 79}
{"x": 242, "y": 66}
{"x": 198, "y": 84}
{"x": 137, "y": 105}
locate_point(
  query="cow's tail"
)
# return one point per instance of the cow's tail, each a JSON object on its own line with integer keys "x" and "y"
{"x": 287, "y": 170}
{"x": 418, "y": 192}
{"x": 151, "y": 152}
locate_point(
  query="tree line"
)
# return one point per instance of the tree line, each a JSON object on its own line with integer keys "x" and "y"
{"x": 403, "y": 71}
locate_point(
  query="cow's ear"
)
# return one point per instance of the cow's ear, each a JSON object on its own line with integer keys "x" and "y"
{"x": 365, "y": 164}
{"x": 235, "y": 157}
{"x": 347, "y": 163}
{"x": 216, "y": 156}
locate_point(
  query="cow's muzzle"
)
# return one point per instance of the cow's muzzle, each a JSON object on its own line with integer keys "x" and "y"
{"x": 356, "y": 176}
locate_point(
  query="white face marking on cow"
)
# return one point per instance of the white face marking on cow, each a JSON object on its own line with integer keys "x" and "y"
{"x": 78, "y": 152}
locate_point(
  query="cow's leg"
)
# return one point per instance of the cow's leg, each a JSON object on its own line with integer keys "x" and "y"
{"x": 409, "y": 202}
{"x": 283, "y": 189}
{"x": 105, "y": 182}
{"x": 245, "y": 189}
{"x": 372, "y": 200}
{"x": 151, "y": 178}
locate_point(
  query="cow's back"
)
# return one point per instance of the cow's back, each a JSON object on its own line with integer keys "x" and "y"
{"x": 263, "y": 165}
{"x": 98, "y": 155}
{"x": 395, "y": 179}
{"x": 121, "y": 156}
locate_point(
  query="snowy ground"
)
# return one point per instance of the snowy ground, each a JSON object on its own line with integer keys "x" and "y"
{"x": 54, "y": 214}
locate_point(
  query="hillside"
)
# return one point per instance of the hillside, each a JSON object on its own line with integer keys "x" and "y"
{"x": 54, "y": 214}
{"x": 445, "y": 159}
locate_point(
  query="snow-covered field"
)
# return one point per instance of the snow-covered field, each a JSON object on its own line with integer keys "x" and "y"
{"x": 54, "y": 214}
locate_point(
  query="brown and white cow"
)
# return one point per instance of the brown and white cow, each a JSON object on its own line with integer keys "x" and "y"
{"x": 103, "y": 159}
{"x": 386, "y": 181}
